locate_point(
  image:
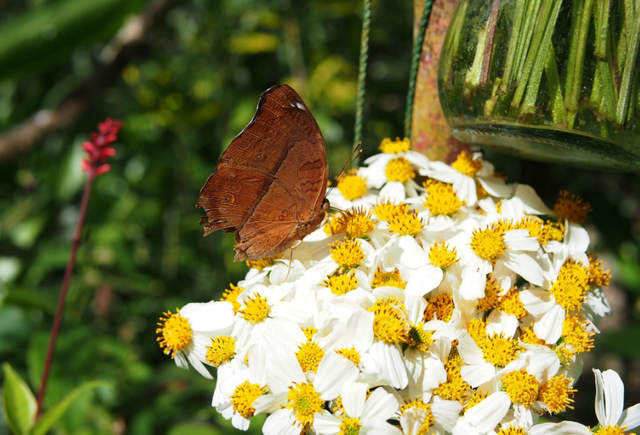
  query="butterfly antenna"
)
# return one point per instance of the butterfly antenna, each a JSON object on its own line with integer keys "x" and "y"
{"x": 290, "y": 264}
{"x": 355, "y": 155}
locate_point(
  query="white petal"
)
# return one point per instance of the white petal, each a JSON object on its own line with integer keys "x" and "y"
{"x": 326, "y": 424}
{"x": 281, "y": 422}
{"x": 181, "y": 360}
{"x": 564, "y": 428}
{"x": 576, "y": 238}
{"x": 424, "y": 280}
{"x": 532, "y": 202}
{"x": 200, "y": 368}
{"x": 378, "y": 426}
{"x": 333, "y": 371}
{"x": 469, "y": 350}
{"x": 212, "y": 316}
{"x": 360, "y": 330}
{"x": 394, "y": 191}
{"x": 478, "y": 374}
{"x": 381, "y": 404}
{"x": 549, "y": 326}
{"x": 270, "y": 403}
{"x": 283, "y": 369}
{"x": 391, "y": 363}
{"x": 496, "y": 187}
{"x": 409, "y": 253}
{"x": 609, "y": 397}
{"x": 631, "y": 417}
{"x": 465, "y": 188}
{"x": 354, "y": 395}
{"x": 520, "y": 240}
{"x": 537, "y": 301}
{"x": 486, "y": 415}
{"x": 446, "y": 413}
{"x": 239, "y": 422}
{"x": 524, "y": 265}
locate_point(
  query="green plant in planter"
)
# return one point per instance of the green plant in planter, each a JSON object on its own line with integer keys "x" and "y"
{"x": 548, "y": 79}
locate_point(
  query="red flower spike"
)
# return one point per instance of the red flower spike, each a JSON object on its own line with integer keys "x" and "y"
{"x": 98, "y": 149}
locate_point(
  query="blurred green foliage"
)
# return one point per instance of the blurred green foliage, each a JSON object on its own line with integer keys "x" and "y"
{"x": 182, "y": 99}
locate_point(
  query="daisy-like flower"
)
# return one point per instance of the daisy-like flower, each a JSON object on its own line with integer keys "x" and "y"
{"x": 362, "y": 412}
{"x": 186, "y": 333}
{"x": 351, "y": 191}
{"x": 436, "y": 417}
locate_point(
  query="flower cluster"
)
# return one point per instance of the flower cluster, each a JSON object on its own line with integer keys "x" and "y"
{"x": 441, "y": 299}
{"x": 98, "y": 149}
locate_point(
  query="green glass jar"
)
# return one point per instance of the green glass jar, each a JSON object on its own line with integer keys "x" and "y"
{"x": 552, "y": 80}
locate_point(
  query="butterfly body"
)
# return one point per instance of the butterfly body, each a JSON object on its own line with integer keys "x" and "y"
{"x": 269, "y": 185}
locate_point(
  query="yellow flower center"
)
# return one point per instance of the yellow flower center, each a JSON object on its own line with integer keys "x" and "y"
{"x": 263, "y": 262}
{"x": 221, "y": 350}
{"x": 309, "y": 331}
{"x": 441, "y": 256}
{"x": 556, "y": 230}
{"x": 256, "y": 309}
{"x": 418, "y": 338}
{"x": 512, "y": 430}
{"x": 175, "y": 333}
{"x": 423, "y": 409}
{"x": 612, "y": 430}
{"x": 352, "y": 186}
{"x": 491, "y": 295}
{"x": 573, "y": 208}
{"x": 496, "y": 349}
{"x": 478, "y": 396}
{"x": 335, "y": 225}
{"x": 390, "y": 323}
{"x": 309, "y": 356}
{"x": 243, "y": 397}
{"x": 488, "y": 244}
{"x": 231, "y": 296}
{"x": 384, "y": 211}
{"x": 399, "y": 169}
{"x": 576, "y": 338}
{"x": 342, "y": 284}
{"x": 466, "y": 165}
{"x": 441, "y": 198}
{"x": 536, "y": 228}
{"x": 597, "y": 275}
{"x": 406, "y": 224}
{"x": 455, "y": 388}
{"x": 351, "y": 354}
{"x": 557, "y": 394}
{"x": 511, "y": 304}
{"x": 350, "y": 426}
{"x": 388, "y": 279}
{"x": 304, "y": 402}
{"x": 439, "y": 307}
{"x": 528, "y": 335}
{"x": 397, "y": 146}
{"x": 357, "y": 223}
{"x": 347, "y": 254}
{"x": 521, "y": 387}
{"x": 570, "y": 288}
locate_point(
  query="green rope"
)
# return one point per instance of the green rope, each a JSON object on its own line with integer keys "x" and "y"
{"x": 415, "y": 63}
{"x": 362, "y": 74}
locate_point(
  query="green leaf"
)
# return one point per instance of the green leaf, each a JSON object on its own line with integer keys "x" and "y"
{"x": 50, "y": 417}
{"x": 18, "y": 400}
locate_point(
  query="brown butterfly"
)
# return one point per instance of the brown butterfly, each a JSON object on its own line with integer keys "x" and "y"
{"x": 269, "y": 184}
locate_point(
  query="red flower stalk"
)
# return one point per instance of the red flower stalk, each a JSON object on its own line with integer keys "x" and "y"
{"x": 98, "y": 151}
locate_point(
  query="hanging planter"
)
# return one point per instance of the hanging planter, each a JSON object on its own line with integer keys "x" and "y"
{"x": 547, "y": 79}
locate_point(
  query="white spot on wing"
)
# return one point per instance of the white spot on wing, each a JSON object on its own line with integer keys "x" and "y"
{"x": 300, "y": 106}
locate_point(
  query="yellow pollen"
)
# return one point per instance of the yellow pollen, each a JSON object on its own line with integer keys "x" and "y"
{"x": 488, "y": 244}
{"x": 309, "y": 356}
{"x": 309, "y": 331}
{"x": 466, "y": 165}
{"x": 512, "y": 430}
{"x": 175, "y": 333}
{"x": 263, "y": 262}
{"x": 351, "y": 354}
{"x": 221, "y": 350}
{"x": 597, "y": 275}
{"x": 350, "y": 426}
{"x": 491, "y": 295}
{"x": 418, "y": 404}
{"x": 357, "y": 222}
{"x": 347, "y": 254}
{"x": 304, "y": 402}
{"x": 334, "y": 225}
{"x": 397, "y": 146}
{"x": 243, "y": 397}
{"x": 478, "y": 396}
{"x": 536, "y": 228}
{"x": 612, "y": 430}
{"x": 570, "y": 288}
{"x": 418, "y": 338}
{"x": 441, "y": 198}
{"x": 477, "y": 329}
{"x": 342, "y": 284}
{"x": 399, "y": 169}
{"x": 406, "y": 224}
{"x": 573, "y": 208}
{"x": 441, "y": 256}
{"x": 455, "y": 388}
{"x": 528, "y": 335}
{"x": 556, "y": 230}
{"x": 390, "y": 323}
{"x": 439, "y": 307}
{"x": 388, "y": 279}
{"x": 384, "y": 211}
{"x": 576, "y": 339}
{"x": 511, "y": 304}
{"x": 500, "y": 351}
{"x": 521, "y": 387}
{"x": 352, "y": 186}
{"x": 256, "y": 309}
{"x": 231, "y": 296}
{"x": 557, "y": 394}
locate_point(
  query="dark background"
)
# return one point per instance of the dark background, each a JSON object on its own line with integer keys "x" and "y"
{"x": 184, "y": 91}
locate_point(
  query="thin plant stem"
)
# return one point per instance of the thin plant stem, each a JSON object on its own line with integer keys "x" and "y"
{"x": 488, "y": 48}
{"x": 574, "y": 85}
{"x": 77, "y": 238}
{"x": 513, "y": 45}
{"x": 415, "y": 63}
{"x": 362, "y": 75}
{"x": 627, "y": 74}
{"x": 555, "y": 91}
